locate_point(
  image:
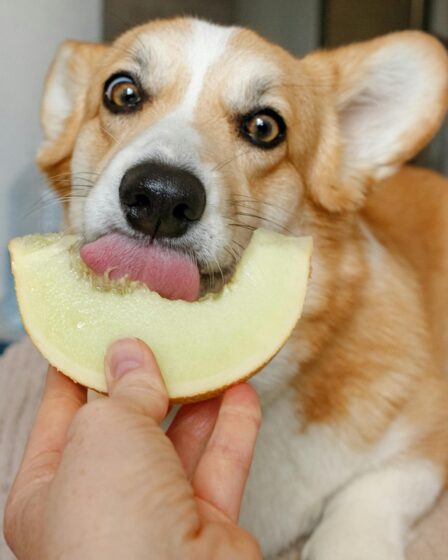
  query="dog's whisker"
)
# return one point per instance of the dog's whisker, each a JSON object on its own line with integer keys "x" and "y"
{"x": 235, "y": 256}
{"x": 68, "y": 185}
{"x": 210, "y": 276}
{"x": 39, "y": 209}
{"x": 220, "y": 271}
{"x": 263, "y": 212}
{"x": 267, "y": 220}
{"x": 244, "y": 226}
{"x": 238, "y": 245}
{"x": 81, "y": 188}
{"x": 227, "y": 249}
{"x": 221, "y": 165}
{"x": 251, "y": 200}
{"x": 50, "y": 197}
{"x": 116, "y": 140}
{"x": 44, "y": 204}
{"x": 253, "y": 203}
{"x": 75, "y": 177}
{"x": 70, "y": 174}
{"x": 241, "y": 247}
{"x": 73, "y": 195}
{"x": 42, "y": 200}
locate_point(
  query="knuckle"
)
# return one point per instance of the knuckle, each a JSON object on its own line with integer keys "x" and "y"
{"x": 230, "y": 453}
{"x": 89, "y": 419}
{"x": 58, "y": 396}
{"x": 242, "y": 416}
{"x": 137, "y": 382}
{"x": 81, "y": 421}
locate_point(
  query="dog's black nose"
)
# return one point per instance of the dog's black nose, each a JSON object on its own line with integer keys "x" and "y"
{"x": 161, "y": 200}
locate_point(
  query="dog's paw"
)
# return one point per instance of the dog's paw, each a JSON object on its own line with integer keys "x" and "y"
{"x": 331, "y": 544}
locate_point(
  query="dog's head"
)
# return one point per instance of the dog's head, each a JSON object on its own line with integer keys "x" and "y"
{"x": 186, "y": 136}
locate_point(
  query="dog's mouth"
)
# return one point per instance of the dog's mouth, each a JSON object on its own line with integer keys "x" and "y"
{"x": 174, "y": 275}
{"x": 213, "y": 281}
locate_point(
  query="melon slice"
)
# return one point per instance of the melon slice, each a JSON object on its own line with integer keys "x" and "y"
{"x": 201, "y": 347}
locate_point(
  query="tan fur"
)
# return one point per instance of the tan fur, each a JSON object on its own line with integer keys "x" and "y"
{"x": 55, "y": 155}
{"x": 373, "y": 340}
{"x": 421, "y": 236}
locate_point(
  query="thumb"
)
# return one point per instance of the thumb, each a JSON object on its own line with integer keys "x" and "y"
{"x": 133, "y": 376}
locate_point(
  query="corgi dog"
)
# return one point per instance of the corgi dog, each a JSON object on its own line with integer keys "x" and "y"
{"x": 189, "y": 135}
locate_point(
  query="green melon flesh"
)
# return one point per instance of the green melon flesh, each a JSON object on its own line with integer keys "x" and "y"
{"x": 201, "y": 347}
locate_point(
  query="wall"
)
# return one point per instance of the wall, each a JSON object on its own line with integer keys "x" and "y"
{"x": 346, "y": 21}
{"x": 439, "y": 18}
{"x": 120, "y": 15}
{"x": 295, "y": 24}
{"x": 438, "y": 154}
{"x": 30, "y": 32}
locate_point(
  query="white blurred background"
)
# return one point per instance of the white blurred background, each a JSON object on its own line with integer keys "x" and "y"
{"x": 29, "y": 35}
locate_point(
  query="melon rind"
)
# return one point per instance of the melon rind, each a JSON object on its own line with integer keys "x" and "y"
{"x": 201, "y": 347}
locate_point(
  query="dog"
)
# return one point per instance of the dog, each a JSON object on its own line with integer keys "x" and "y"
{"x": 191, "y": 135}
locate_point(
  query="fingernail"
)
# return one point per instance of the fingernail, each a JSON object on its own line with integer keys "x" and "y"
{"x": 124, "y": 356}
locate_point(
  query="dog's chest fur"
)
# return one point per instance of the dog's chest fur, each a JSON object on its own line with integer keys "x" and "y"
{"x": 296, "y": 469}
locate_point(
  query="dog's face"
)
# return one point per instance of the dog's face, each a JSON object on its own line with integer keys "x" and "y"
{"x": 190, "y": 135}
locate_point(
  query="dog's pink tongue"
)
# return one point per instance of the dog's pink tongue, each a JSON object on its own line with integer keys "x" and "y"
{"x": 171, "y": 274}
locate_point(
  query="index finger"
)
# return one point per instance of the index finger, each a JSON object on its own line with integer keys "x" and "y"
{"x": 61, "y": 400}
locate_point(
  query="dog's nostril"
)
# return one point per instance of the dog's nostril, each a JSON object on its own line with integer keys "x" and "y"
{"x": 183, "y": 212}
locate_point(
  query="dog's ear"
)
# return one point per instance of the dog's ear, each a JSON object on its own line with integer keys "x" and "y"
{"x": 391, "y": 95}
{"x": 64, "y": 105}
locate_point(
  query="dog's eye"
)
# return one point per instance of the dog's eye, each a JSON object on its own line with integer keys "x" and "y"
{"x": 265, "y": 128}
{"x": 122, "y": 94}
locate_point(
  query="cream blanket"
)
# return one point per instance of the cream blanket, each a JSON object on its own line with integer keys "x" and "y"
{"x": 22, "y": 373}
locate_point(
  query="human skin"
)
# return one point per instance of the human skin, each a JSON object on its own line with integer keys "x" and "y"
{"x": 102, "y": 480}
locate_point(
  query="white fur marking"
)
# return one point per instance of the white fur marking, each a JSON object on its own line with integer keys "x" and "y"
{"x": 207, "y": 45}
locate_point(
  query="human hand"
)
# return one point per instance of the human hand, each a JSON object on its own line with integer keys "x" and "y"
{"x": 102, "y": 480}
